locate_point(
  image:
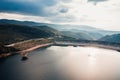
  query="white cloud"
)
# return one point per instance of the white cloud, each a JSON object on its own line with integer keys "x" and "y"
{"x": 23, "y": 17}
{"x": 103, "y": 15}
{"x": 106, "y": 14}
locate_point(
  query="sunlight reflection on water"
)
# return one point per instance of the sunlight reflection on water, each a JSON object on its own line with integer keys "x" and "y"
{"x": 89, "y": 63}
{"x": 63, "y": 63}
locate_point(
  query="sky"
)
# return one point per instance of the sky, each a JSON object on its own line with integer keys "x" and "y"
{"x": 103, "y": 14}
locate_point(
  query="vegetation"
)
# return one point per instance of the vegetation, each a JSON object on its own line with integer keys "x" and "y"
{"x": 14, "y": 33}
{"x": 111, "y": 38}
{"x": 24, "y": 35}
{"x": 4, "y": 49}
{"x": 31, "y": 43}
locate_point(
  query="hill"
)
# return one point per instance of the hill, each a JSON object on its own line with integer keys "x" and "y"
{"x": 82, "y": 28}
{"x": 111, "y": 38}
{"x": 74, "y": 31}
{"x": 82, "y": 35}
{"x": 79, "y": 35}
{"x": 10, "y": 33}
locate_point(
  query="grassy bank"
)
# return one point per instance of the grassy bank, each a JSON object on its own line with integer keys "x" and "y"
{"x": 24, "y": 46}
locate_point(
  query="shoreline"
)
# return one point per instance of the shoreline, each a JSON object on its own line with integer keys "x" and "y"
{"x": 25, "y": 52}
{"x": 89, "y": 45}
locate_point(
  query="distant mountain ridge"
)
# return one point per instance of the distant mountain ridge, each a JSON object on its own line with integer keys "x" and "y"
{"x": 111, "y": 38}
{"x": 27, "y": 23}
{"x": 73, "y": 31}
{"x": 60, "y": 27}
{"x": 78, "y": 35}
{"x": 86, "y": 28}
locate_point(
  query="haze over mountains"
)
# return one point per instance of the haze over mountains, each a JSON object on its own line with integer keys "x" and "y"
{"x": 111, "y": 38}
{"x": 14, "y": 30}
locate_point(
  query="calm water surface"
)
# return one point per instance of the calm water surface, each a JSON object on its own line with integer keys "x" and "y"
{"x": 63, "y": 63}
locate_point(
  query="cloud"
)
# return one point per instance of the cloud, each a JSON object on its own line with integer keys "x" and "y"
{"x": 103, "y": 15}
{"x": 63, "y": 9}
{"x": 13, "y": 16}
{"x": 29, "y": 7}
{"x": 96, "y": 1}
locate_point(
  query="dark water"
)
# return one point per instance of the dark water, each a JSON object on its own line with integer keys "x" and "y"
{"x": 63, "y": 63}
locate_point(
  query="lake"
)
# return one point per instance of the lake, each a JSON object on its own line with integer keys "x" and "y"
{"x": 63, "y": 63}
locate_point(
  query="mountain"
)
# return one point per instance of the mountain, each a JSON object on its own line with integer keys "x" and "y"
{"x": 83, "y": 35}
{"x": 73, "y": 31}
{"x": 88, "y": 32}
{"x": 27, "y": 23}
{"x": 83, "y": 28}
{"x": 61, "y": 27}
{"x": 80, "y": 35}
{"x": 10, "y": 33}
{"x": 111, "y": 38}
